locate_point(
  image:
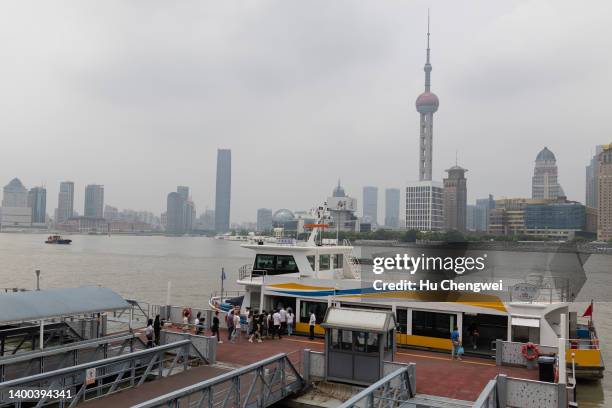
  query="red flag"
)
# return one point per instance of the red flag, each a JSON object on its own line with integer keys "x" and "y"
{"x": 588, "y": 311}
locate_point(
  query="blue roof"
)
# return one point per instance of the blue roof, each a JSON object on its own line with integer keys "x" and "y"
{"x": 546, "y": 155}
{"x": 43, "y": 304}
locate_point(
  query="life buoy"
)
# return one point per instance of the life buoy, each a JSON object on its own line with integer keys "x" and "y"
{"x": 187, "y": 312}
{"x": 530, "y": 351}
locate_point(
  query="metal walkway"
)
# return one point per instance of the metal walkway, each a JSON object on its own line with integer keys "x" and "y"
{"x": 257, "y": 385}
{"x": 104, "y": 377}
{"x": 26, "y": 364}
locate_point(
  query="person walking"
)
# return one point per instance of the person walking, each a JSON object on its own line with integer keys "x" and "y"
{"x": 229, "y": 320}
{"x": 456, "y": 340}
{"x": 215, "y": 326}
{"x": 290, "y": 321}
{"x": 283, "y": 320}
{"x": 276, "y": 321}
{"x": 312, "y": 322}
{"x": 157, "y": 330}
{"x": 236, "y": 334}
{"x": 264, "y": 324}
{"x": 474, "y": 335}
{"x": 149, "y": 333}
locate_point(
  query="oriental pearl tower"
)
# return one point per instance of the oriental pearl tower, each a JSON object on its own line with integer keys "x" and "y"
{"x": 426, "y": 104}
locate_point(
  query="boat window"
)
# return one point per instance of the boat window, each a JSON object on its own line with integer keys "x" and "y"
{"x": 431, "y": 324}
{"x": 318, "y": 307}
{"x": 286, "y": 264}
{"x": 337, "y": 261}
{"x": 311, "y": 261}
{"x": 264, "y": 262}
{"x": 324, "y": 262}
{"x": 275, "y": 264}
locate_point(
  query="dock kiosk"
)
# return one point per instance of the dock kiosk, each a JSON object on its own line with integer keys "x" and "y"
{"x": 357, "y": 342}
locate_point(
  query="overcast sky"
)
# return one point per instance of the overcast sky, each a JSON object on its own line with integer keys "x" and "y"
{"x": 138, "y": 95}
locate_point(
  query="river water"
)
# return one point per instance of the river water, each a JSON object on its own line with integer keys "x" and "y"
{"x": 140, "y": 268}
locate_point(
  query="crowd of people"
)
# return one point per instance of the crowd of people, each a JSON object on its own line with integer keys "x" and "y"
{"x": 259, "y": 325}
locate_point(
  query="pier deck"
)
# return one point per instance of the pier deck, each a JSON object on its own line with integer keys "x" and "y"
{"x": 436, "y": 374}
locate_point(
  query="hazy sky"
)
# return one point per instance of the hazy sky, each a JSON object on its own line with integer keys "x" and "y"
{"x": 138, "y": 95}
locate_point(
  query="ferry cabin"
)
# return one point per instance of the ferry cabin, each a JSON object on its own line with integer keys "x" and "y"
{"x": 309, "y": 278}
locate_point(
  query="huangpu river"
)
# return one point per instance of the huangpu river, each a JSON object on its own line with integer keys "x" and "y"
{"x": 140, "y": 267}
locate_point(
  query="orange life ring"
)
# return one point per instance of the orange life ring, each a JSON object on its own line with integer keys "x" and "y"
{"x": 187, "y": 312}
{"x": 530, "y": 351}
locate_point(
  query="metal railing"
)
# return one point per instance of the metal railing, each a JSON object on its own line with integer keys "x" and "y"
{"x": 389, "y": 391}
{"x": 257, "y": 385}
{"x": 68, "y": 355}
{"x": 247, "y": 272}
{"x": 488, "y": 396}
{"x": 104, "y": 377}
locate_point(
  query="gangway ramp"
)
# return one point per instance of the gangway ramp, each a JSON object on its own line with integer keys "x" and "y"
{"x": 261, "y": 384}
{"x": 105, "y": 377}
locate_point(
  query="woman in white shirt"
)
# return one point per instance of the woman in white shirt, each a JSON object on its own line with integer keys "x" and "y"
{"x": 290, "y": 321}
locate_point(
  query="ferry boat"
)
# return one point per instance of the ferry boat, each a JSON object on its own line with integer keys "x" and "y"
{"x": 314, "y": 275}
{"x": 57, "y": 239}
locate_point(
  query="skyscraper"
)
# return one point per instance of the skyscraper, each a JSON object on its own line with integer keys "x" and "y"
{"x": 486, "y": 204}
{"x": 94, "y": 201}
{"x": 183, "y": 191}
{"x": 592, "y": 171}
{"x": 223, "y": 190}
{"x": 425, "y": 206}
{"x": 65, "y": 202}
{"x": 37, "y": 201}
{"x": 426, "y": 104}
{"x": 544, "y": 184}
{"x": 604, "y": 197}
{"x": 264, "y": 219}
{"x": 392, "y": 206}
{"x": 15, "y": 211}
{"x": 370, "y": 204}
{"x": 455, "y": 199}
{"x": 175, "y": 213}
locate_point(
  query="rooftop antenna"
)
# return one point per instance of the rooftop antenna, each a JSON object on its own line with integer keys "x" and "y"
{"x": 456, "y": 154}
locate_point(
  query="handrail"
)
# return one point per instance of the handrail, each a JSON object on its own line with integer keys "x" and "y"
{"x": 92, "y": 364}
{"x": 382, "y": 383}
{"x": 166, "y": 400}
{"x": 16, "y": 358}
{"x": 488, "y": 396}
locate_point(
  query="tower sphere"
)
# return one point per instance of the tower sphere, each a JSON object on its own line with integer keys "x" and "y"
{"x": 427, "y": 102}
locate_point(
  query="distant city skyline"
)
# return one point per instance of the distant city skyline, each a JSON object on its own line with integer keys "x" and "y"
{"x": 143, "y": 113}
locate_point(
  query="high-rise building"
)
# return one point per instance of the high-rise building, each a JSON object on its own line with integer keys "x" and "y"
{"x": 425, "y": 206}
{"x": 370, "y": 205}
{"x": 604, "y": 196}
{"x": 183, "y": 191}
{"x": 487, "y": 204}
{"x": 111, "y": 213}
{"x": 544, "y": 184}
{"x": 455, "y": 199}
{"x": 14, "y": 194}
{"x": 190, "y": 214}
{"x": 37, "y": 201}
{"x": 426, "y": 104}
{"x": 592, "y": 170}
{"x": 175, "y": 214}
{"x": 475, "y": 218}
{"x": 223, "y": 190}
{"x": 264, "y": 219}
{"x": 65, "y": 202}
{"x": 15, "y": 211}
{"x": 392, "y": 206}
{"x": 342, "y": 210}
{"x": 94, "y": 201}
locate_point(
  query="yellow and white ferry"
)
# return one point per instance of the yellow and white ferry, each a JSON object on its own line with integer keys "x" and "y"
{"x": 316, "y": 274}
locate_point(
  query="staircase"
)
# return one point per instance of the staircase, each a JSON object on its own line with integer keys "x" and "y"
{"x": 431, "y": 401}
